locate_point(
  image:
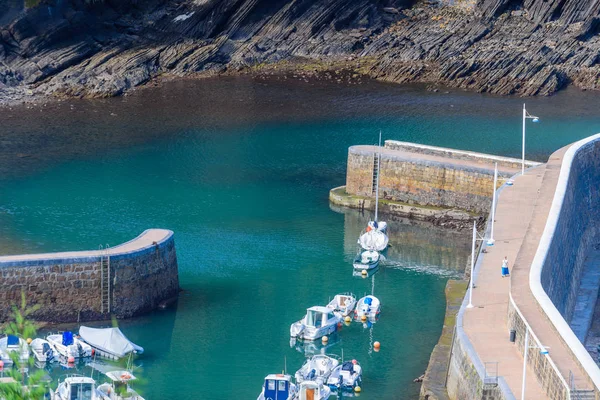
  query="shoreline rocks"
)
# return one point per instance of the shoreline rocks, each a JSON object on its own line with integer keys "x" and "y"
{"x": 75, "y": 48}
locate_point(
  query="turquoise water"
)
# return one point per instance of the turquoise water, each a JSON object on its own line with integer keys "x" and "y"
{"x": 240, "y": 169}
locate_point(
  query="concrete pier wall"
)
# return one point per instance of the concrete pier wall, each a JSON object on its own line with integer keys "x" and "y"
{"x": 143, "y": 273}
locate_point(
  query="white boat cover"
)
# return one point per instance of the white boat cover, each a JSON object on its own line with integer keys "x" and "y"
{"x": 373, "y": 240}
{"x": 110, "y": 340}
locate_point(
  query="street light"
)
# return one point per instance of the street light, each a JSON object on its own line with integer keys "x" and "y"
{"x": 535, "y": 119}
{"x": 491, "y": 240}
{"x": 475, "y": 239}
{"x": 543, "y": 351}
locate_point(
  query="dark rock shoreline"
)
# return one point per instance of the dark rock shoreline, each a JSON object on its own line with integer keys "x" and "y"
{"x": 101, "y": 48}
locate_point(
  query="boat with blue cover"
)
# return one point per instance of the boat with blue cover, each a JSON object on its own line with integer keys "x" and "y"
{"x": 278, "y": 387}
{"x": 318, "y": 322}
{"x": 13, "y": 344}
{"x": 368, "y": 306}
{"x": 318, "y": 368}
{"x": 70, "y": 346}
{"x": 345, "y": 376}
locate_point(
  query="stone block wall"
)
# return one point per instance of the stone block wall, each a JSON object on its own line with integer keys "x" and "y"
{"x": 577, "y": 230}
{"x": 421, "y": 182}
{"x": 68, "y": 286}
{"x": 548, "y": 377}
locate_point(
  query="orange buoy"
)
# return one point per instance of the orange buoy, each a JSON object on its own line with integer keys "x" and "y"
{"x": 363, "y": 318}
{"x": 325, "y": 339}
{"x": 376, "y": 345}
{"x": 71, "y": 359}
{"x": 1, "y": 364}
{"x": 368, "y": 228}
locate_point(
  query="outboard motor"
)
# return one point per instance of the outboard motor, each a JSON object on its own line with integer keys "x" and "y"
{"x": 47, "y": 352}
{"x": 340, "y": 381}
{"x": 80, "y": 350}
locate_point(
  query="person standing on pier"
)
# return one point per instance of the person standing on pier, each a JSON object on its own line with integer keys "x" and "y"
{"x": 505, "y": 267}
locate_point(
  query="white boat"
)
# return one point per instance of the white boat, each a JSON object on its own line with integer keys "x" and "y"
{"x": 5, "y": 358}
{"x": 44, "y": 351}
{"x": 375, "y": 236}
{"x": 13, "y": 344}
{"x": 69, "y": 346}
{"x": 343, "y": 303}
{"x": 317, "y": 367}
{"x": 366, "y": 259}
{"x": 109, "y": 342}
{"x": 318, "y": 322}
{"x": 368, "y": 306}
{"x": 77, "y": 388}
{"x": 278, "y": 387}
{"x": 311, "y": 390}
{"x": 347, "y": 375}
{"x": 119, "y": 388}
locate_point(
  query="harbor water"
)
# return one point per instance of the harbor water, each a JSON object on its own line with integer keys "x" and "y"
{"x": 240, "y": 169}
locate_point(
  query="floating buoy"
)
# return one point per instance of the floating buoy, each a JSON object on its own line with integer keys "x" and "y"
{"x": 357, "y": 389}
{"x": 93, "y": 352}
{"x": 376, "y": 345}
{"x": 364, "y": 272}
{"x": 1, "y": 364}
{"x": 363, "y": 318}
{"x": 29, "y": 340}
{"x": 354, "y": 362}
{"x": 347, "y": 319}
{"x": 339, "y": 324}
{"x": 325, "y": 339}
{"x": 71, "y": 360}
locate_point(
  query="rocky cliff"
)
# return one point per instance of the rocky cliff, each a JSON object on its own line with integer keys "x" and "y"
{"x": 105, "y": 47}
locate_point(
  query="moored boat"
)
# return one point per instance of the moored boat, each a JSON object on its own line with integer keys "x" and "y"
{"x": 69, "y": 346}
{"x": 44, "y": 351}
{"x": 119, "y": 387}
{"x": 347, "y": 375}
{"x": 318, "y": 322}
{"x": 318, "y": 367}
{"x": 109, "y": 342}
{"x": 368, "y": 306}
{"x": 278, "y": 387}
{"x": 343, "y": 303}
{"x": 373, "y": 240}
{"x": 13, "y": 344}
{"x": 366, "y": 259}
{"x": 313, "y": 390}
{"x": 77, "y": 388}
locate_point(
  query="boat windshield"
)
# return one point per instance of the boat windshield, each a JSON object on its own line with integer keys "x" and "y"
{"x": 81, "y": 391}
{"x": 314, "y": 318}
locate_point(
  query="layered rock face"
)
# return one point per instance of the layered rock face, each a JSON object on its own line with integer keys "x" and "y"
{"x": 104, "y": 47}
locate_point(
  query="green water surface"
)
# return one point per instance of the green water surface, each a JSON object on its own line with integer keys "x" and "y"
{"x": 240, "y": 170}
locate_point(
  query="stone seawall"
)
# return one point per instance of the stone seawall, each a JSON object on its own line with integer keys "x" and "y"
{"x": 425, "y": 180}
{"x": 143, "y": 273}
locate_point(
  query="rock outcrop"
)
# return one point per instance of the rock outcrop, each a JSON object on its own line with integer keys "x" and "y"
{"x": 105, "y": 47}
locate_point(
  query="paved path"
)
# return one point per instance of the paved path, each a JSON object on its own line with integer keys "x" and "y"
{"x": 146, "y": 239}
{"x": 407, "y": 155}
{"x": 521, "y": 215}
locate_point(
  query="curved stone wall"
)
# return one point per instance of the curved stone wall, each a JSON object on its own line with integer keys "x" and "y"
{"x": 572, "y": 226}
{"x": 143, "y": 273}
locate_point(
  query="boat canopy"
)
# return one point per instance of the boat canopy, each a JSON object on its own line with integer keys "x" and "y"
{"x": 12, "y": 340}
{"x": 318, "y": 316}
{"x": 67, "y": 338}
{"x": 110, "y": 340}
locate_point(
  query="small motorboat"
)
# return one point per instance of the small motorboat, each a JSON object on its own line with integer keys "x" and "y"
{"x": 366, "y": 259}
{"x": 278, "y": 387}
{"x": 317, "y": 367}
{"x": 69, "y": 346}
{"x": 13, "y": 344}
{"x": 109, "y": 342}
{"x": 119, "y": 387}
{"x": 78, "y": 388}
{"x": 343, "y": 303}
{"x": 44, "y": 351}
{"x": 318, "y": 322}
{"x": 345, "y": 376}
{"x": 313, "y": 390}
{"x": 369, "y": 306}
{"x": 5, "y": 358}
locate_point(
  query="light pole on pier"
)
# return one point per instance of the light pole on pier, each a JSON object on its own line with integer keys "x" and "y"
{"x": 543, "y": 351}
{"x": 491, "y": 240}
{"x": 535, "y": 119}
{"x": 475, "y": 239}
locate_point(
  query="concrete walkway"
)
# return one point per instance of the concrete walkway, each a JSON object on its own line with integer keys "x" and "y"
{"x": 521, "y": 215}
{"x": 146, "y": 239}
{"x": 486, "y": 324}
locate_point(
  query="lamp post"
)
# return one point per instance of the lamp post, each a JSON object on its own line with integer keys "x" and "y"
{"x": 491, "y": 240}
{"x": 535, "y": 119}
{"x": 475, "y": 239}
{"x": 543, "y": 351}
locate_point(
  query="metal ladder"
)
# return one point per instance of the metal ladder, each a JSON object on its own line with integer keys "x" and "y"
{"x": 375, "y": 172}
{"x": 104, "y": 280}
